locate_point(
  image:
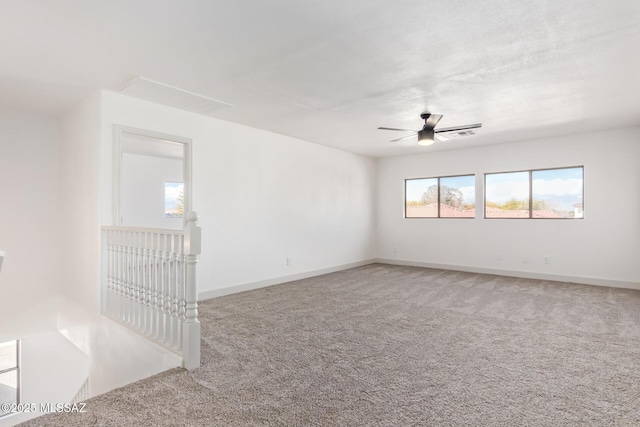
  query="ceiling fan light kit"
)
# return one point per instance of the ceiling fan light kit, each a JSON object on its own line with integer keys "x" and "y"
{"x": 427, "y": 135}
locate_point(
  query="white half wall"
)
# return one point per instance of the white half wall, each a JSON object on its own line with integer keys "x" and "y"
{"x": 30, "y": 209}
{"x": 263, "y": 198}
{"x": 603, "y": 248}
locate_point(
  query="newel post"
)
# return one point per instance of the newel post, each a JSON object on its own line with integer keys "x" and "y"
{"x": 191, "y": 326}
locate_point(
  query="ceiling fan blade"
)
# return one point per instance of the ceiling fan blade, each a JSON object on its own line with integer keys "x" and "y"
{"x": 404, "y": 130}
{"x": 404, "y": 137}
{"x": 456, "y": 128}
{"x": 431, "y": 121}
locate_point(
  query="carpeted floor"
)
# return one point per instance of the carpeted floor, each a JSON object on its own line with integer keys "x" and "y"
{"x": 398, "y": 346}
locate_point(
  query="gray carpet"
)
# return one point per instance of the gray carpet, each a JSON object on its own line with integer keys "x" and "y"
{"x": 385, "y": 345}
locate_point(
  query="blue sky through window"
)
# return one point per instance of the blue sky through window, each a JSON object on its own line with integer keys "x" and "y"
{"x": 416, "y": 187}
{"x": 561, "y": 189}
{"x": 466, "y": 184}
{"x": 501, "y": 187}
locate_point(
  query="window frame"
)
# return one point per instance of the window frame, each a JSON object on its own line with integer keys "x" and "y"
{"x": 438, "y": 192}
{"x": 530, "y": 172}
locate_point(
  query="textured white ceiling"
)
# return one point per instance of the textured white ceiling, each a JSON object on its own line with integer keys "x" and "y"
{"x": 332, "y": 71}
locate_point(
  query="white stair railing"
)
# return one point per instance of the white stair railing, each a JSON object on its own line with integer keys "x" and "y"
{"x": 149, "y": 284}
{"x": 83, "y": 392}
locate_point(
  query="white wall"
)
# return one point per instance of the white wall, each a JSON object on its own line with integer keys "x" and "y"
{"x": 142, "y": 190}
{"x": 80, "y": 223}
{"x": 262, "y": 197}
{"x": 265, "y": 197}
{"x": 30, "y": 209}
{"x": 603, "y": 248}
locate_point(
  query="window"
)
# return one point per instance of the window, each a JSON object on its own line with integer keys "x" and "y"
{"x": 173, "y": 199}
{"x": 441, "y": 197}
{"x": 557, "y": 192}
{"x": 506, "y": 195}
{"x": 9, "y": 374}
{"x": 543, "y": 193}
{"x": 421, "y": 198}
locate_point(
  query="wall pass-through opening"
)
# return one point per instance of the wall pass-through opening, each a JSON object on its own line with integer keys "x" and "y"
{"x": 152, "y": 179}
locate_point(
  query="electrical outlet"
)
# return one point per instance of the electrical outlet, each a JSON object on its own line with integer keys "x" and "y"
{"x": 547, "y": 260}
{"x": 288, "y": 262}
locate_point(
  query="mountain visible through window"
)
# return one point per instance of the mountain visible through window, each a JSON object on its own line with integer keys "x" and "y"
{"x": 543, "y": 193}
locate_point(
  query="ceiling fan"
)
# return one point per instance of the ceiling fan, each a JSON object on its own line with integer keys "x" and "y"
{"x": 427, "y": 135}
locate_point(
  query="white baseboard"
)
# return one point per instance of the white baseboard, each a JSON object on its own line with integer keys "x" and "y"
{"x": 471, "y": 269}
{"x": 595, "y": 281}
{"x": 278, "y": 280}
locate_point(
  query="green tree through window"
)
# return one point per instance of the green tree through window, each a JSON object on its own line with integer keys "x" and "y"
{"x": 440, "y": 197}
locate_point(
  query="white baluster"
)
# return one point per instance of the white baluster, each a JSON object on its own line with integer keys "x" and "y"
{"x": 118, "y": 238}
{"x": 149, "y": 284}
{"x": 110, "y": 271}
{"x": 163, "y": 291}
{"x": 177, "y": 324}
{"x": 119, "y": 274}
{"x": 171, "y": 293}
{"x": 146, "y": 282}
{"x": 182, "y": 304}
{"x": 154, "y": 284}
{"x": 136, "y": 279}
{"x": 127, "y": 276}
{"x": 114, "y": 273}
{"x": 180, "y": 291}
{"x": 169, "y": 289}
